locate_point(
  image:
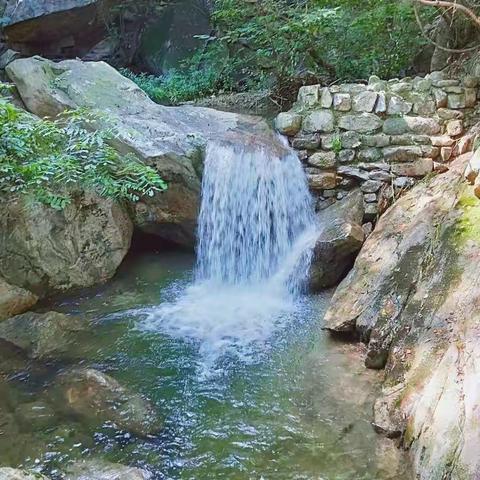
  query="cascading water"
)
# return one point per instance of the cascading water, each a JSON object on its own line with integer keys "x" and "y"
{"x": 255, "y": 238}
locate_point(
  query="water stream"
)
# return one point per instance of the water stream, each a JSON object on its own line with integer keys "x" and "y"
{"x": 227, "y": 347}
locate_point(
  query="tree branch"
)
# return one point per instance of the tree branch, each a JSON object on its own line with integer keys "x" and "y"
{"x": 454, "y": 6}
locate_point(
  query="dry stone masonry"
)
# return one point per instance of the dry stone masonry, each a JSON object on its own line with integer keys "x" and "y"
{"x": 382, "y": 136}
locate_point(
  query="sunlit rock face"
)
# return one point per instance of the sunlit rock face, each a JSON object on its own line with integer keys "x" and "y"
{"x": 413, "y": 297}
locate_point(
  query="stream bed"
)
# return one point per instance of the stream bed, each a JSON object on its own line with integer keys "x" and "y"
{"x": 288, "y": 404}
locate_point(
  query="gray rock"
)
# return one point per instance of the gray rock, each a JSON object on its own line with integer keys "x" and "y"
{"x": 402, "y": 153}
{"x": 326, "y": 99}
{"x": 448, "y": 114}
{"x": 370, "y": 197}
{"x": 342, "y": 102}
{"x": 43, "y": 336}
{"x": 346, "y": 156}
{"x": 97, "y": 398}
{"x": 308, "y": 142}
{"x": 404, "y": 182}
{"x": 441, "y": 98}
{"x": 352, "y": 172}
{"x": 456, "y": 100}
{"x": 365, "y": 101}
{"x": 379, "y": 140}
{"x": 102, "y": 470}
{"x": 410, "y": 307}
{"x": 470, "y": 97}
{"x": 8, "y": 57}
{"x": 380, "y": 175}
{"x": 398, "y": 106}
{"x": 422, "y": 125}
{"x": 288, "y": 123}
{"x": 419, "y": 168}
{"x": 401, "y": 88}
{"x": 409, "y": 139}
{"x": 319, "y": 121}
{"x": 323, "y": 160}
{"x": 455, "y": 128}
{"x": 308, "y": 95}
{"x": 363, "y": 123}
{"x": 350, "y": 140}
{"x": 470, "y": 81}
{"x": 395, "y": 126}
{"x": 37, "y": 416}
{"x": 446, "y": 83}
{"x": 381, "y": 105}
{"x": 321, "y": 181}
{"x": 339, "y": 241}
{"x": 371, "y": 186}
{"x": 369, "y": 154}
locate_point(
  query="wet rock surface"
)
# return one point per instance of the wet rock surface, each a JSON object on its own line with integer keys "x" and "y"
{"x": 96, "y": 398}
{"x": 101, "y": 470}
{"x": 17, "y": 474}
{"x": 14, "y": 300}
{"x": 412, "y": 296}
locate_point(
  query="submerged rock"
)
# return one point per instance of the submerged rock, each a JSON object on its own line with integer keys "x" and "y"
{"x": 413, "y": 297}
{"x": 102, "y": 470}
{"x": 98, "y": 398}
{"x": 16, "y": 474}
{"x": 14, "y": 300}
{"x": 170, "y": 139}
{"x": 46, "y": 250}
{"x": 48, "y": 335}
{"x": 339, "y": 241}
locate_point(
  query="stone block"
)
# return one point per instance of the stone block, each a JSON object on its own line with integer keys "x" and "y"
{"x": 449, "y": 114}
{"x": 378, "y": 140}
{"x": 395, "y": 126}
{"x": 363, "y": 123}
{"x": 419, "y": 168}
{"x": 319, "y": 121}
{"x": 456, "y": 100}
{"x": 470, "y": 97}
{"x": 446, "y": 83}
{"x": 346, "y": 156}
{"x": 307, "y": 142}
{"x": 381, "y": 105}
{"x": 342, "y": 102}
{"x": 369, "y": 154}
{"x": 441, "y": 98}
{"x": 409, "y": 139}
{"x": 365, "y": 101}
{"x": 308, "y": 95}
{"x": 470, "y": 81}
{"x": 326, "y": 99}
{"x": 288, "y": 123}
{"x": 454, "y": 128}
{"x": 322, "y": 181}
{"x": 398, "y": 106}
{"x": 371, "y": 186}
{"x": 380, "y": 176}
{"x": 370, "y": 197}
{"x": 352, "y": 172}
{"x": 350, "y": 139}
{"x": 446, "y": 153}
{"x": 422, "y": 125}
{"x": 402, "y": 153}
{"x": 323, "y": 160}
{"x": 442, "y": 141}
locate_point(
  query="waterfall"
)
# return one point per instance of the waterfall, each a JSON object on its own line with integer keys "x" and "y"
{"x": 255, "y": 237}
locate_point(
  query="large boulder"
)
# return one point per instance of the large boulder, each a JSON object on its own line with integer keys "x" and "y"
{"x": 47, "y": 335}
{"x": 102, "y": 470}
{"x": 52, "y": 27}
{"x": 340, "y": 239}
{"x": 170, "y": 139}
{"x": 47, "y": 250}
{"x": 412, "y": 296}
{"x": 97, "y": 398}
{"x": 14, "y": 300}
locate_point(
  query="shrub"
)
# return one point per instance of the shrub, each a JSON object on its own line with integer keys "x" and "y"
{"x": 50, "y": 159}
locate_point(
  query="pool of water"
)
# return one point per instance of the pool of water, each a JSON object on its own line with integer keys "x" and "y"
{"x": 293, "y": 405}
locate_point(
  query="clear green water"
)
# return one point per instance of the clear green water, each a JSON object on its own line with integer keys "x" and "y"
{"x": 300, "y": 408}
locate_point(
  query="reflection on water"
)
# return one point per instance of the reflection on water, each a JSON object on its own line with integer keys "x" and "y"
{"x": 299, "y": 408}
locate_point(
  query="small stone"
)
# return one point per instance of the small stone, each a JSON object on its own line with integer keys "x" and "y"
{"x": 326, "y": 99}
{"x": 446, "y": 153}
{"x": 422, "y": 125}
{"x": 369, "y": 154}
{"x": 448, "y": 114}
{"x": 379, "y": 140}
{"x": 308, "y": 142}
{"x": 441, "y": 98}
{"x": 381, "y": 105}
{"x": 347, "y": 183}
{"x": 425, "y": 107}
{"x": 365, "y": 101}
{"x": 352, "y": 172}
{"x": 371, "y": 211}
{"x": 403, "y": 182}
{"x": 401, "y": 87}
{"x": 308, "y": 95}
{"x": 323, "y": 160}
{"x": 341, "y": 195}
{"x": 363, "y": 123}
{"x": 454, "y": 128}
{"x": 327, "y": 141}
{"x": 370, "y": 197}
{"x": 430, "y": 151}
{"x": 322, "y": 181}
{"x": 409, "y": 139}
{"x": 470, "y": 81}
{"x": 346, "y": 156}
{"x": 446, "y": 83}
{"x": 398, "y": 106}
{"x": 350, "y": 140}
{"x": 352, "y": 88}
{"x": 454, "y": 89}
{"x": 442, "y": 141}
{"x": 319, "y": 121}
{"x": 371, "y": 186}
{"x": 423, "y": 84}
{"x": 419, "y": 168}
{"x": 303, "y": 155}
{"x": 374, "y": 166}
{"x": 288, "y": 123}
{"x": 436, "y": 76}
{"x": 463, "y": 145}
{"x": 395, "y": 126}
{"x": 342, "y": 102}
{"x": 380, "y": 176}
{"x": 456, "y": 100}
{"x": 402, "y": 153}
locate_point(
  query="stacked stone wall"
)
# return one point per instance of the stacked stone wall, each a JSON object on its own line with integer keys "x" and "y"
{"x": 382, "y": 136}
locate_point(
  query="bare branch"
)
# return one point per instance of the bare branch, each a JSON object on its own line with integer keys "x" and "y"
{"x": 454, "y": 6}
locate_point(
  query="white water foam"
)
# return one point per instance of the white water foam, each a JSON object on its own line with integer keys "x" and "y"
{"x": 256, "y": 234}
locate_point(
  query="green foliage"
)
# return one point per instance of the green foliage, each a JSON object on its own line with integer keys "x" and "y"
{"x": 51, "y": 159}
{"x": 337, "y": 144}
{"x": 347, "y": 39}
